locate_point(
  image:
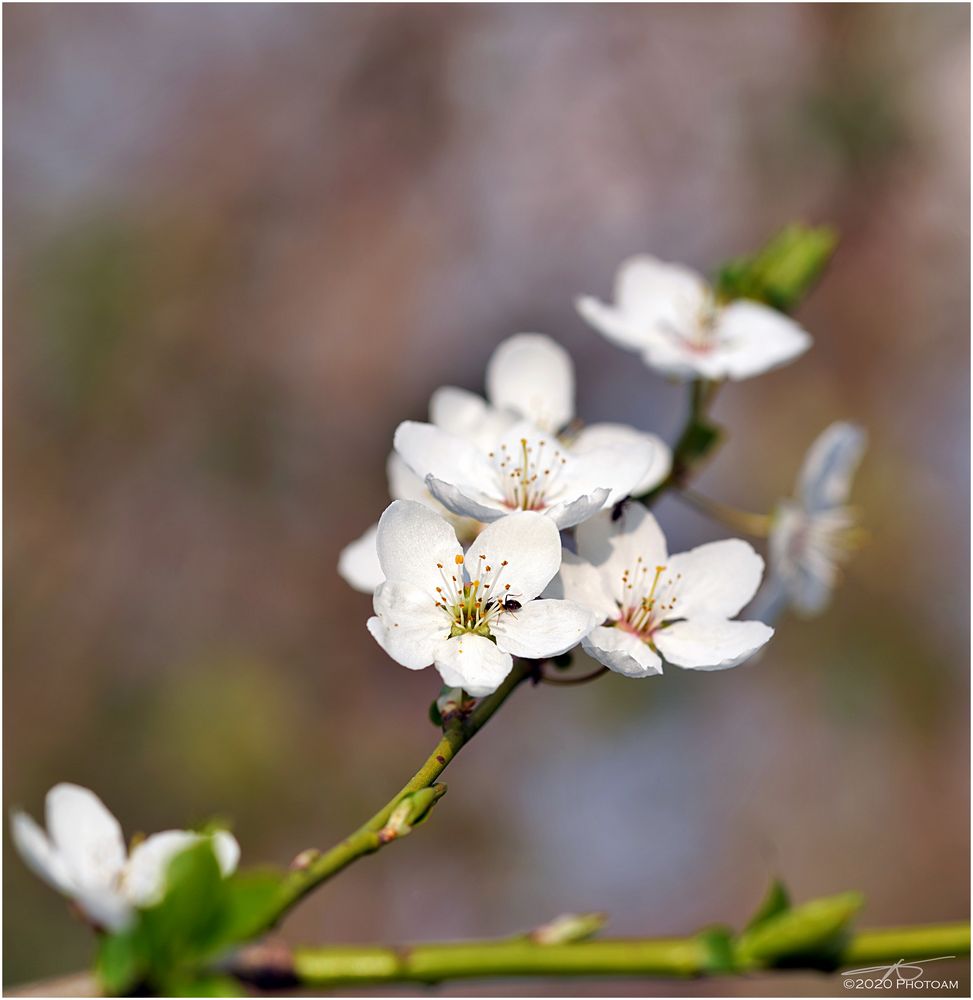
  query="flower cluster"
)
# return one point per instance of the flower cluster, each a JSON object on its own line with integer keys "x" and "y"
{"x": 515, "y": 530}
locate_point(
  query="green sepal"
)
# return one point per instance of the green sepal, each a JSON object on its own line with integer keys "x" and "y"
{"x": 783, "y": 271}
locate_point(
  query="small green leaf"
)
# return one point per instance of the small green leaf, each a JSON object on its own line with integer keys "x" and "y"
{"x": 776, "y": 901}
{"x": 120, "y": 963}
{"x": 184, "y": 925}
{"x": 783, "y": 271}
{"x": 201, "y": 916}
{"x": 250, "y": 901}
{"x": 812, "y": 935}
{"x": 435, "y": 717}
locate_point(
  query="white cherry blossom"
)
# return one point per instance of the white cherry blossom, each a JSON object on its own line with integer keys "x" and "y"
{"x": 657, "y": 606}
{"x": 469, "y": 613}
{"x": 816, "y": 531}
{"x": 671, "y": 316}
{"x": 83, "y": 856}
{"x": 531, "y": 377}
{"x": 525, "y": 469}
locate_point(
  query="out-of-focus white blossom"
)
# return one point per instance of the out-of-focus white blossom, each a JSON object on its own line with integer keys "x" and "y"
{"x": 83, "y": 856}
{"x": 816, "y": 531}
{"x": 670, "y": 315}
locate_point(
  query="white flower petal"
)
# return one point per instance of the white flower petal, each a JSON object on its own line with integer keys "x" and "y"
{"x": 469, "y": 416}
{"x": 227, "y": 851}
{"x": 466, "y": 502}
{"x": 148, "y": 865}
{"x": 825, "y": 479}
{"x": 622, "y": 652}
{"x": 407, "y": 623}
{"x": 404, "y": 484}
{"x": 38, "y": 852}
{"x": 711, "y": 643}
{"x": 86, "y": 836}
{"x": 532, "y": 375}
{"x": 674, "y": 357}
{"x": 614, "y": 325}
{"x": 543, "y": 628}
{"x": 430, "y": 451}
{"x": 619, "y": 468}
{"x": 717, "y": 579}
{"x": 358, "y": 563}
{"x": 755, "y": 338}
{"x": 474, "y": 663}
{"x": 810, "y": 593}
{"x": 615, "y": 544}
{"x": 577, "y": 580}
{"x": 458, "y": 411}
{"x": 571, "y": 512}
{"x": 147, "y": 868}
{"x": 607, "y": 435}
{"x": 412, "y": 540}
{"x": 656, "y": 293}
{"x": 655, "y": 302}
{"x": 527, "y": 543}
{"x": 105, "y": 907}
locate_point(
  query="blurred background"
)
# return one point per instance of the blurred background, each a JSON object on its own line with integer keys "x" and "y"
{"x": 244, "y": 242}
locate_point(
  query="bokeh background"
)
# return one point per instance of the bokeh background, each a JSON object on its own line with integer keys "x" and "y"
{"x": 243, "y": 242}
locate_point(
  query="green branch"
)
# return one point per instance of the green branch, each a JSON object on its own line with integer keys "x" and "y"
{"x": 408, "y": 807}
{"x": 525, "y": 956}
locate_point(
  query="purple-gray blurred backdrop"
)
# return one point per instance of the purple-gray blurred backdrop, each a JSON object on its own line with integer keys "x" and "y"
{"x": 243, "y": 242}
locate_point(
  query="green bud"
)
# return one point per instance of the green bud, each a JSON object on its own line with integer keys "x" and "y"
{"x": 410, "y": 811}
{"x": 568, "y": 927}
{"x": 811, "y": 935}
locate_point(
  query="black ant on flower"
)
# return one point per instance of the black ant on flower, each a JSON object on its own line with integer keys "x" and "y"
{"x": 506, "y": 603}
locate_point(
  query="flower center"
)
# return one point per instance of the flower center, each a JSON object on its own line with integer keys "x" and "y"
{"x": 831, "y": 536}
{"x": 529, "y": 474}
{"x": 649, "y": 600}
{"x": 472, "y": 606}
{"x": 697, "y": 330}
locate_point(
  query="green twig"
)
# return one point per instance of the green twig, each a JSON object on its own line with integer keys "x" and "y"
{"x": 523, "y": 957}
{"x": 313, "y": 868}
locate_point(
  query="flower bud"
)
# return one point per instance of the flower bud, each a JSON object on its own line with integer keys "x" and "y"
{"x": 568, "y": 927}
